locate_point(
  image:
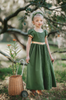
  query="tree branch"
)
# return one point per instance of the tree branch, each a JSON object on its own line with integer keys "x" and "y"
{"x": 24, "y": 47}
{"x": 15, "y": 14}
{"x": 54, "y": 21}
{"x": 14, "y": 31}
{"x": 25, "y": 34}
{"x": 54, "y": 8}
{"x": 17, "y": 31}
{"x": 10, "y": 58}
{"x": 59, "y": 52}
{"x": 63, "y": 59}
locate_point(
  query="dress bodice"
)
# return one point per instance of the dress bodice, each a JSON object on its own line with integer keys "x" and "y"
{"x": 37, "y": 36}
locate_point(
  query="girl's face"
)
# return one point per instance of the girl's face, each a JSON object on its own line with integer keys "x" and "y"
{"x": 38, "y": 21}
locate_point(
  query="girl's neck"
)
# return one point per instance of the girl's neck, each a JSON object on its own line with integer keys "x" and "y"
{"x": 37, "y": 29}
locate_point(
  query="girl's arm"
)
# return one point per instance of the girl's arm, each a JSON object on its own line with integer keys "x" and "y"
{"x": 28, "y": 48}
{"x": 46, "y": 41}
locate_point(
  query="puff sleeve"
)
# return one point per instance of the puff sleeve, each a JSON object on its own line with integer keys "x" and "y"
{"x": 30, "y": 33}
{"x": 46, "y": 33}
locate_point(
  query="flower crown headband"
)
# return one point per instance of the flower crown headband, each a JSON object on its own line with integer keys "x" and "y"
{"x": 36, "y": 14}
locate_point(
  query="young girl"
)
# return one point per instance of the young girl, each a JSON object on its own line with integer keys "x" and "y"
{"x": 40, "y": 73}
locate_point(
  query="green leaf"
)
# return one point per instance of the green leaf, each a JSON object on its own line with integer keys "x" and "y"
{"x": 18, "y": 51}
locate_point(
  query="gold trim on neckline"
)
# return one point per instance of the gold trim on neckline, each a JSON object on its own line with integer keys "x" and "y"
{"x": 38, "y": 42}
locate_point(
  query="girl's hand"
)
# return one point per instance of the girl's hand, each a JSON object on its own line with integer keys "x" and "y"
{"x": 27, "y": 59}
{"x": 52, "y": 59}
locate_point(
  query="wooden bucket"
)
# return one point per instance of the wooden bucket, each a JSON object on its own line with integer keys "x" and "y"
{"x": 15, "y": 86}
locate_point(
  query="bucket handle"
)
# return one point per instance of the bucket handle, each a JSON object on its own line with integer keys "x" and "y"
{"x": 22, "y": 68}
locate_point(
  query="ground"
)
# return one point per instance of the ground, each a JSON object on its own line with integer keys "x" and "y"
{"x": 57, "y": 93}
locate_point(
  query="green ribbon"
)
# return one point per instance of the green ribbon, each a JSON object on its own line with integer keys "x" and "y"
{"x": 36, "y": 14}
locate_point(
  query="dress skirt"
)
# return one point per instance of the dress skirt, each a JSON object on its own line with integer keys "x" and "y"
{"x": 40, "y": 72}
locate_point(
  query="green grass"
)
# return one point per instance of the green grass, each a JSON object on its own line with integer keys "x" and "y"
{"x": 56, "y": 94}
{"x": 62, "y": 64}
{"x": 47, "y": 95}
{"x": 4, "y": 90}
{"x": 5, "y": 72}
{"x": 53, "y": 94}
{"x": 60, "y": 76}
{"x": 24, "y": 72}
{"x": 8, "y": 72}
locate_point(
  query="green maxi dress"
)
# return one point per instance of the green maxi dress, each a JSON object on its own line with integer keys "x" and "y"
{"x": 40, "y": 73}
